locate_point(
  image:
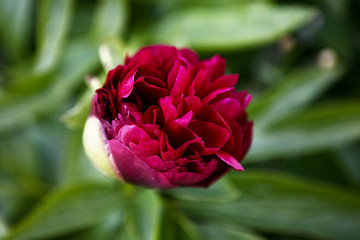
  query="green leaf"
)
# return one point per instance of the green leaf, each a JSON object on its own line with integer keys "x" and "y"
{"x": 230, "y": 28}
{"x": 15, "y": 19}
{"x": 110, "y": 19}
{"x": 292, "y": 94}
{"x": 348, "y": 159}
{"x": 75, "y": 117}
{"x": 175, "y": 225}
{"x": 3, "y": 228}
{"x": 227, "y": 232}
{"x": 322, "y": 127}
{"x": 147, "y": 211}
{"x": 221, "y": 191}
{"x": 143, "y": 216}
{"x": 68, "y": 209}
{"x": 107, "y": 229}
{"x": 20, "y": 181}
{"x": 112, "y": 53}
{"x": 75, "y": 164}
{"x": 279, "y": 203}
{"x": 53, "y": 21}
{"x": 78, "y": 60}
{"x": 18, "y": 163}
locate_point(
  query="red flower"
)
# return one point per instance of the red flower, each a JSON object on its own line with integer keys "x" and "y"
{"x": 166, "y": 119}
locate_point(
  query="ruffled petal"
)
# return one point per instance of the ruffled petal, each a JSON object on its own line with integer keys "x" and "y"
{"x": 230, "y": 160}
{"x": 134, "y": 170}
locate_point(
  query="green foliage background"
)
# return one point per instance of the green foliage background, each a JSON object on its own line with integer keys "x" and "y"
{"x": 299, "y": 60}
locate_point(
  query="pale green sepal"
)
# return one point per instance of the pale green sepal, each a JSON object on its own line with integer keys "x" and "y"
{"x": 96, "y": 147}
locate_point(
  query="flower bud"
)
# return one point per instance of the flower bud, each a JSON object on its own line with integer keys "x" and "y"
{"x": 166, "y": 119}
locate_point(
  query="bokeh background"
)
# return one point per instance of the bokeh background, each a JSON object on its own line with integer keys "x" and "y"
{"x": 299, "y": 60}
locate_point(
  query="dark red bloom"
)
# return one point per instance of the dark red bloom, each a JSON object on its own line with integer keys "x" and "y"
{"x": 167, "y": 119}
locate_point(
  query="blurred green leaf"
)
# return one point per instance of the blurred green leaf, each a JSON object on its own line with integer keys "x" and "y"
{"x": 110, "y": 19}
{"x": 147, "y": 212}
{"x": 226, "y": 232}
{"x": 53, "y": 24}
{"x": 24, "y": 82}
{"x": 78, "y": 60}
{"x": 176, "y": 226}
{"x": 75, "y": 117}
{"x": 18, "y": 157}
{"x": 348, "y": 159}
{"x": 322, "y": 127}
{"x": 112, "y": 53}
{"x": 221, "y": 191}
{"x": 3, "y": 228}
{"x": 13, "y": 198}
{"x": 75, "y": 164}
{"x": 230, "y": 28}
{"x": 142, "y": 215}
{"x": 68, "y": 209}
{"x": 14, "y": 26}
{"x": 292, "y": 94}
{"x": 20, "y": 180}
{"x": 108, "y": 229}
{"x": 281, "y": 203}
{"x": 10, "y": 194}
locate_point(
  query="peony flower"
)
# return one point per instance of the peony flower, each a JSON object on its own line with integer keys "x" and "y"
{"x": 166, "y": 119}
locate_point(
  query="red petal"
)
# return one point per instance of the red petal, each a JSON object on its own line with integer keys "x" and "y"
{"x": 132, "y": 133}
{"x": 168, "y": 109}
{"x": 145, "y": 148}
{"x": 230, "y": 160}
{"x": 212, "y": 134}
{"x": 185, "y": 178}
{"x": 126, "y": 85}
{"x": 184, "y": 120}
{"x": 200, "y": 83}
{"x": 155, "y": 162}
{"x": 215, "y": 67}
{"x": 229, "y": 107}
{"x": 147, "y": 92}
{"x": 182, "y": 82}
{"x": 214, "y": 94}
{"x": 190, "y": 55}
{"x": 134, "y": 170}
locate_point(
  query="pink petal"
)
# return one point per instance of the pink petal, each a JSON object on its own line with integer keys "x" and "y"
{"x": 247, "y": 100}
{"x": 215, "y": 93}
{"x": 178, "y": 152}
{"x": 148, "y": 92}
{"x": 132, "y": 133}
{"x": 230, "y": 160}
{"x": 182, "y": 82}
{"x": 172, "y": 74}
{"x": 200, "y": 82}
{"x": 134, "y": 170}
{"x": 185, "y": 178}
{"x": 126, "y": 85}
{"x": 215, "y": 66}
{"x": 184, "y": 120}
{"x": 190, "y": 55}
{"x": 225, "y": 81}
{"x": 156, "y": 163}
{"x": 193, "y": 103}
{"x": 150, "y": 115}
{"x": 149, "y": 71}
{"x": 145, "y": 149}
{"x": 212, "y": 134}
{"x": 230, "y": 107}
{"x": 168, "y": 109}
{"x": 235, "y": 143}
{"x": 208, "y": 113}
